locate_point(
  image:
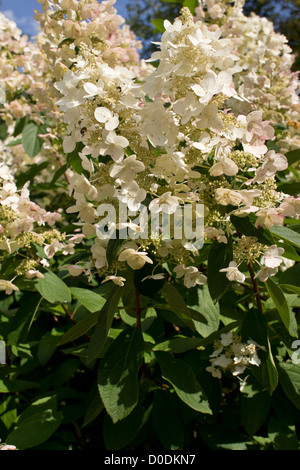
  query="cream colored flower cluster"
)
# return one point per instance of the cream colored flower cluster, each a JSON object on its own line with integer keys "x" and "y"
{"x": 265, "y": 78}
{"x": 23, "y": 223}
{"x": 232, "y": 355}
{"x": 168, "y": 142}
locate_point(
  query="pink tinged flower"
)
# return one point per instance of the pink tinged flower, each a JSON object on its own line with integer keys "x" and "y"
{"x": 215, "y": 234}
{"x": 264, "y": 273}
{"x": 272, "y": 257}
{"x": 233, "y": 273}
{"x": 290, "y": 207}
{"x": 51, "y": 249}
{"x": 267, "y": 218}
{"x": 8, "y": 287}
{"x": 272, "y": 163}
{"x": 118, "y": 280}
{"x": 32, "y": 273}
{"x": 74, "y": 270}
{"x": 7, "y": 447}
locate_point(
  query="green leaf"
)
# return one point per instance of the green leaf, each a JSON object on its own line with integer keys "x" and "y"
{"x": 290, "y": 276}
{"x": 13, "y": 386}
{"x": 8, "y": 412}
{"x": 80, "y": 329}
{"x": 118, "y": 435}
{"x": 90, "y": 300}
{"x": 286, "y": 313}
{"x": 95, "y": 407}
{"x": 286, "y": 234}
{"x": 293, "y": 156}
{"x": 158, "y": 23}
{"x": 178, "y": 345}
{"x": 53, "y": 289}
{"x": 167, "y": 421}
{"x": 20, "y": 323}
{"x": 290, "y": 188}
{"x": 184, "y": 381}
{"x": 191, "y": 4}
{"x": 32, "y": 144}
{"x": 244, "y": 226}
{"x": 199, "y": 299}
{"x": 117, "y": 379}
{"x": 112, "y": 247}
{"x": 177, "y": 304}
{"x": 219, "y": 257}
{"x": 283, "y": 436}
{"x": 254, "y": 327}
{"x": 3, "y": 130}
{"x": 36, "y": 429}
{"x": 289, "y": 377}
{"x": 28, "y": 175}
{"x": 254, "y": 410}
{"x": 104, "y": 323}
{"x": 48, "y": 345}
{"x": 19, "y": 126}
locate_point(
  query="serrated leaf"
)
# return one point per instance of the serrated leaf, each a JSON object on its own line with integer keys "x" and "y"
{"x": 285, "y": 312}
{"x": 104, "y": 323}
{"x": 118, "y": 435}
{"x": 80, "y": 329}
{"x": 53, "y": 289}
{"x": 254, "y": 411}
{"x": 117, "y": 379}
{"x": 13, "y": 386}
{"x": 167, "y": 421}
{"x": 286, "y": 234}
{"x": 200, "y": 299}
{"x": 92, "y": 301}
{"x": 283, "y": 436}
{"x": 177, "y": 304}
{"x": 32, "y": 144}
{"x": 244, "y": 226}
{"x": 289, "y": 377}
{"x": 219, "y": 257}
{"x": 36, "y": 429}
{"x": 293, "y": 156}
{"x": 48, "y": 345}
{"x": 183, "y": 379}
{"x": 95, "y": 407}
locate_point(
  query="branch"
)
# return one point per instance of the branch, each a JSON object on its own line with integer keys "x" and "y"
{"x": 255, "y": 286}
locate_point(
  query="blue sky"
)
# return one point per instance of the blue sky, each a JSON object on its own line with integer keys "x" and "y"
{"x": 21, "y": 11}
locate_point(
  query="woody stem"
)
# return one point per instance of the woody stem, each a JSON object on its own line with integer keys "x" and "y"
{"x": 255, "y": 286}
